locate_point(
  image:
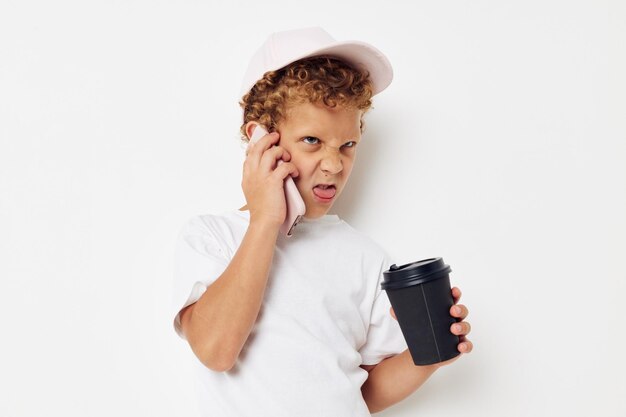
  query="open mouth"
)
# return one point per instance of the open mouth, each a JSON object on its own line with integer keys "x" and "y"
{"x": 325, "y": 192}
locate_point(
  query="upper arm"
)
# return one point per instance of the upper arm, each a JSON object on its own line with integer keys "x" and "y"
{"x": 368, "y": 367}
{"x": 185, "y": 317}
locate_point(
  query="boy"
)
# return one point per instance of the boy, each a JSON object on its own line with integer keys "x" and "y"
{"x": 296, "y": 326}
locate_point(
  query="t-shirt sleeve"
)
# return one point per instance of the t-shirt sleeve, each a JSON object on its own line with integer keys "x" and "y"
{"x": 384, "y": 337}
{"x": 199, "y": 260}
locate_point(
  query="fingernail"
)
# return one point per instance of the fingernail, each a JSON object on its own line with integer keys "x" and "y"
{"x": 458, "y": 327}
{"x": 457, "y": 310}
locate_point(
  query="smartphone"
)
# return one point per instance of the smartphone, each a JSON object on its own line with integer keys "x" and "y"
{"x": 295, "y": 203}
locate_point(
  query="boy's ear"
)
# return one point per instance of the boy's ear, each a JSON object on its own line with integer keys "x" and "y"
{"x": 250, "y": 128}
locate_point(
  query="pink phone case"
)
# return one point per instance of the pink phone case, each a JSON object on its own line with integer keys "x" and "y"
{"x": 295, "y": 204}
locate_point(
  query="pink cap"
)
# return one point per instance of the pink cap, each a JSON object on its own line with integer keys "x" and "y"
{"x": 283, "y": 48}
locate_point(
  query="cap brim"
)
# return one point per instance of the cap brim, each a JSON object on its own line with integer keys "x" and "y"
{"x": 365, "y": 57}
{"x": 360, "y": 54}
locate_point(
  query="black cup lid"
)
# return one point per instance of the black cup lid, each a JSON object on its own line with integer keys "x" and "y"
{"x": 414, "y": 273}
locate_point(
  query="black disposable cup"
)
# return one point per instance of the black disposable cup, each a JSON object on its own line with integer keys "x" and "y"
{"x": 421, "y": 297}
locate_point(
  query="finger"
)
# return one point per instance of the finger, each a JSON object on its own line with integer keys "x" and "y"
{"x": 271, "y": 156}
{"x": 255, "y": 150}
{"x": 461, "y": 329}
{"x": 285, "y": 169}
{"x": 456, "y": 294}
{"x": 465, "y": 346}
{"x": 459, "y": 311}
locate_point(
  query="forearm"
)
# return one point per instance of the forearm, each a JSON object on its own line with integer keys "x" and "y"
{"x": 392, "y": 380}
{"x": 224, "y": 316}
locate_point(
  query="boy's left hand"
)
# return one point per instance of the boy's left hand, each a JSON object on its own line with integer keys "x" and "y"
{"x": 461, "y": 328}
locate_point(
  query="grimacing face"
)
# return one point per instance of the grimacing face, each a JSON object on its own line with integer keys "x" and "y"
{"x": 322, "y": 143}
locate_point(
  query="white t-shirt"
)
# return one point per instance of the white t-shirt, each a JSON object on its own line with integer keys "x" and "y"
{"x": 322, "y": 316}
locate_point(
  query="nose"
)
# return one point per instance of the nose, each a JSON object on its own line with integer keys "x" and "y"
{"x": 331, "y": 163}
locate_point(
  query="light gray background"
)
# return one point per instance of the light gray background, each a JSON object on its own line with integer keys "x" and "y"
{"x": 499, "y": 146}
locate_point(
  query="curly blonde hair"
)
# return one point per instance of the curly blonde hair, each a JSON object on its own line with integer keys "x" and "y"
{"x": 320, "y": 79}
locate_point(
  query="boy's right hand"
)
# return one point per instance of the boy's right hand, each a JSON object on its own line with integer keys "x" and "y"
{"x": 263, "y": 180}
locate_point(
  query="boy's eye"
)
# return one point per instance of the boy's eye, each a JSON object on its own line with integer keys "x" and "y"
{"x": 350, "y": 144}
{"x": 311, "y": 138}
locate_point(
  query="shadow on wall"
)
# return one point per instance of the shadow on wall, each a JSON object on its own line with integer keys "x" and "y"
{"x": 368, "y": 166}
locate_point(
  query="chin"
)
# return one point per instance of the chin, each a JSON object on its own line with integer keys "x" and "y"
{"x": 315, "y": 215}
{"x": 316, "y": 212}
